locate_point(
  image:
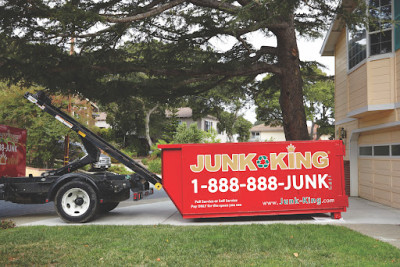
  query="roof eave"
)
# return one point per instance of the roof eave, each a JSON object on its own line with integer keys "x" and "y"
{"x": 335, "y": 30}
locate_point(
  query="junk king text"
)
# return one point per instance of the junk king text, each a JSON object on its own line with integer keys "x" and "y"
{"x": 290, "y": 160}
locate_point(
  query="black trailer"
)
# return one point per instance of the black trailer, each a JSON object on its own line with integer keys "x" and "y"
{"x": 79, "y": 196}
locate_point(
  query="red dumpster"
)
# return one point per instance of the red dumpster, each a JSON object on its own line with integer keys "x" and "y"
{"x": 12, "y": 151}
{"x": 247, "y": 179}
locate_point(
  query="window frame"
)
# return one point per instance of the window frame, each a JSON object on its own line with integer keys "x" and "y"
{"x": 368, "y": 46}
{"x": 373, "y": 155}
{"x": 347, "y": 49}
{"x": 383, "y": 55}
{"x": 208, "y": 125}
{"x": 391, "y": 150}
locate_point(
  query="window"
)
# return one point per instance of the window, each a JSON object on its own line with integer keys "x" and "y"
{"x": 395, "y": 150}
{"x": 381, "y": 150}
{"x": 366, "y": 151}
{"x": 380, "y": 30}
{"x": 377, "y": 150}
{"x": 379, "y": 34}
{"x": 255, "y": 136}
{"x": 357, "y": 44}
{"x": 208, "y": 126}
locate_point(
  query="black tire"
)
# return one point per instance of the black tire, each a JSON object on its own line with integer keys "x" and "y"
{"x": 106, "y": 207}
{"x": 76, "y": 202}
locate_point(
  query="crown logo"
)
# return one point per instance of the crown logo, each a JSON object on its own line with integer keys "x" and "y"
{"x": 3, "y": 159}
{"x": 291, "y": 148}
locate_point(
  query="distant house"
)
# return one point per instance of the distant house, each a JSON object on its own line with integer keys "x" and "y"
{"x": 262, "y": 133}
{"x": 100, "y": 120}
{"x": 185, "y": 115}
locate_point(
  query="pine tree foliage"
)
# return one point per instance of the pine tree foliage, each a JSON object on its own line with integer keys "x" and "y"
{"x": 171, "y": 41}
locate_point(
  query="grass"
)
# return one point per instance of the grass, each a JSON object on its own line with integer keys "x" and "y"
{"x": 237, "y": 245}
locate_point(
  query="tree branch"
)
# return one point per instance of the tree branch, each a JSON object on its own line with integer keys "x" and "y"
{"x": 221, "y": 5}
{"x": 141, "y": 16}
{"x": 220, "y": 70}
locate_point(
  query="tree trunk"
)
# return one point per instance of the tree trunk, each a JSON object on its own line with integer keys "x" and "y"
{"x": 147, "y": 124}
{"x": 312, "y": 130}
{"x": 291, "y": 97}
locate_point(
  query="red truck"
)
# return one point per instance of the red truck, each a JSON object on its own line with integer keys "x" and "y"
{"x": 202, "y": 180}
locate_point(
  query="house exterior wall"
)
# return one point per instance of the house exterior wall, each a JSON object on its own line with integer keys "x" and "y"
{"x": 367, "y": 107}
{"x": 357, "y": 83}
{"x": 272, "y": 136}
{"x": 341, "y": 92}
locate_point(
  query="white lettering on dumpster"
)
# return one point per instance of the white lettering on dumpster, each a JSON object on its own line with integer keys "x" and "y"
{"x": 297, "y": 182}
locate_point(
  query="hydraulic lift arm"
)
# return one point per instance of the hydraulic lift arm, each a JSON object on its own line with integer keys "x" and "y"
{"x": 91, "y": 141}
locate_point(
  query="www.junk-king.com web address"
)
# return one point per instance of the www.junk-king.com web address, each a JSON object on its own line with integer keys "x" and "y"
{"x": 299, "y": 201}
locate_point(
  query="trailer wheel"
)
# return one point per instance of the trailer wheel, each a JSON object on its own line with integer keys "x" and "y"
{"x": 106, "y": 207}
{"x": 76, "y": 201}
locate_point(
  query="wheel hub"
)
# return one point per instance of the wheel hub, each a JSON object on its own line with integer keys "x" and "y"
{"x": 79, "y": 201}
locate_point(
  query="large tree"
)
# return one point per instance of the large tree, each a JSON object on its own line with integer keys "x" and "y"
{"x": 173, "y": 41}
{"x": 318, "y": 99}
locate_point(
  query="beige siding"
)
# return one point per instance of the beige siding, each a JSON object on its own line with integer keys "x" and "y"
{"x": 380, "y": 137}
{"x": 377, "y": 117}
{"x": 397, "y": 74}
{"x": 341, "y": 93}
{"x": 381, "y": 81}
{"x": 349, "y": 127}
{"x": 357, "y": 88}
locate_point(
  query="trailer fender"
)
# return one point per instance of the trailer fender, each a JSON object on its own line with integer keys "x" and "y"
{"x": 69, "y": 177}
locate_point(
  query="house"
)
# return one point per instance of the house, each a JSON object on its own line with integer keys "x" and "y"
{"x": 262, "y": 133}
{"x": 185, "y": 115}
{"x": 367, "y": 101}
{"x": 100, "y": 119}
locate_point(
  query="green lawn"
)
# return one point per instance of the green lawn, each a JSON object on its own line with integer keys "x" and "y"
{"x": 237, "y": 245}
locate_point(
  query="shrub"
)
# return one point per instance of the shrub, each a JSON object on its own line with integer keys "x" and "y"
{"x": 155, "y": 166}
{"x": 129, "y": 152}
{"x": 192, "y": 134}
{"x": 155, "y": 152}
{"x": 119, "y": 170}
{"x": 145, "y": 161}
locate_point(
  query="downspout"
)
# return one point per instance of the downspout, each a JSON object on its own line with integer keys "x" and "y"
{"x": 354, "y": 163}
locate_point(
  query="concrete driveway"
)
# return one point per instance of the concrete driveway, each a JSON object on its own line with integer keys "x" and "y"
{"x": 370, "y": 218}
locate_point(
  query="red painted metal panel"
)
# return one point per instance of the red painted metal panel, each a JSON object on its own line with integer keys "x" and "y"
{"x": 173, "y": 182}
{"x": 242, "y": 179}
{"x": 12, "y": 151}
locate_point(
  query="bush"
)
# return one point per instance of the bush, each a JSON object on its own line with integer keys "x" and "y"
{"x": 192, "y": 135}
{"x": 6, "y": 224}
{"x": 145, "y": 161}
{"x": 119, "y": 170}
{"x": 130, "y": 153}
{"x": 155, "y": 152}
{"x": 155, "y": 166}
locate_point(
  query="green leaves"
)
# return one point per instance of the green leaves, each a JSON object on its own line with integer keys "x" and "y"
{"x": 318, "y": 99}
{"x": 43, "y": 132}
